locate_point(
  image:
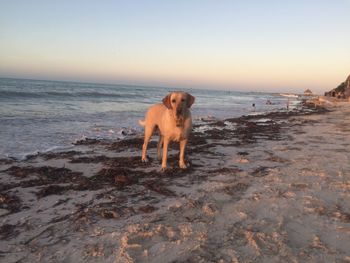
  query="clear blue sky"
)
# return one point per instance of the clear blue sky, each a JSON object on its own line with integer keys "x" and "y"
{"x": 271, "y": 45}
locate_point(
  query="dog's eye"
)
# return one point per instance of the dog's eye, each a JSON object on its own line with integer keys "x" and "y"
{"x": 173, "y": 101}
{"x": 182, "y": 100}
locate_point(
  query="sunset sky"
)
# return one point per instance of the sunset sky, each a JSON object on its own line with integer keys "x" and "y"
{"x": 251, "y": 45}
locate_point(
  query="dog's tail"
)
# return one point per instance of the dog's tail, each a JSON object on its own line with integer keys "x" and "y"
{"x": 142, "y": 122}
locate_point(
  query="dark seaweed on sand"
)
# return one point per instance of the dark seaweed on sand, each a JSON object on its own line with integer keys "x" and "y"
{"x": 126, "y": 176}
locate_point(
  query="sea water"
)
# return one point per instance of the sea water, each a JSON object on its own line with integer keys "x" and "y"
{"x": 39, "y": 116}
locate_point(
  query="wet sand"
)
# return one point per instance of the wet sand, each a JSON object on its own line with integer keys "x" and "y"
{"x": 272, "y": 188}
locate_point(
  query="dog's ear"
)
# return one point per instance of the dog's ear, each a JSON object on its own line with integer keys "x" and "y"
{"x": 166, "y": 101}
{"x": 190, "y": 100}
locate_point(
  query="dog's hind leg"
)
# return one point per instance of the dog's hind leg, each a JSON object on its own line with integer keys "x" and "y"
{"x": 148, "y": 135}
{"x": 159, "y": 147}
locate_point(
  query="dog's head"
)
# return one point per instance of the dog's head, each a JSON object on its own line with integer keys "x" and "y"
{"x": 178, "y": 102}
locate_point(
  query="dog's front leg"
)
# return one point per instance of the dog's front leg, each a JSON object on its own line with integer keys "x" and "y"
{"x": 159, "y": 147}
{"x": 182, "y": 163}
{"x": 165, "y": 153}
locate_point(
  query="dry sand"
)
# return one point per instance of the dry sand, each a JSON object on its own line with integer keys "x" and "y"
{"x": 272, "y": 188}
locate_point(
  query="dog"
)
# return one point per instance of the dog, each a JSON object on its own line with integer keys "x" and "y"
{"x": 173, "y": 120}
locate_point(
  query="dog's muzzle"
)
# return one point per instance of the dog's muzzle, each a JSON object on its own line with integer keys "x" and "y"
{"x": 178, "y": 116}
{"x": 178, "y": 113}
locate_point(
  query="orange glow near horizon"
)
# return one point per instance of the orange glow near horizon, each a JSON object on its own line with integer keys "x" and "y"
{"x": 239, "y": 73}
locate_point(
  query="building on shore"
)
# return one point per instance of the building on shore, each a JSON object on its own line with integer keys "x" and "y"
{"x": 308, "y": 93}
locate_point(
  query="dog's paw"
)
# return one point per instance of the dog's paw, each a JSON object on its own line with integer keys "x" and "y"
{"x": 144, "y": 160}
{"x": 163, "y": 169}
{"x": 182, "y": 165}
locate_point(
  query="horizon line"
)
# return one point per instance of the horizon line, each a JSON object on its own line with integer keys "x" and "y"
{"x": 143, "y": 85}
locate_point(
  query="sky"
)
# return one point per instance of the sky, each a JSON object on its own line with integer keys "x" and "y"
{"x": 247, "y": 45}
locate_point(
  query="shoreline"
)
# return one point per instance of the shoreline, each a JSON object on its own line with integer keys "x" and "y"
{"x": 54, "y": 133}
{"x": 131, "y": 133}
{"x": 258, "y": 188}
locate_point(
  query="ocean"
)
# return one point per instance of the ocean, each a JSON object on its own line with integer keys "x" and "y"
{"x": 40, "y": 116}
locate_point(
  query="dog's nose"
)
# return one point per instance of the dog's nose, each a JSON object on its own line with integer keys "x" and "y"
{"x": 178, "y": 112}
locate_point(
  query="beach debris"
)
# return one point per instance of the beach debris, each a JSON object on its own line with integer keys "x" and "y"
{"x": 261, "y": 171}
{"x": 147, "y": 209}
{"x": 8, "y": 231}
{"x": 51, "y": 190}
{"x": 87, "y": 141}
{"x": 235, "y": 188}
{"x": 122, "y": 180}
{"x": 106, "y": 213}
{"x": 209, "y": 209}
{"x": 10, "y": 202}
{"x": 95, "y": 250}
{"x": 242, "y": 160}
{"x": 158, "y": 187}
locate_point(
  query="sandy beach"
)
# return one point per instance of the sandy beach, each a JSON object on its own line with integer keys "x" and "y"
{"x": 270, "y": 188}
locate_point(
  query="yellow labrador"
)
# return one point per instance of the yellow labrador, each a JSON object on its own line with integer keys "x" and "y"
{"x": 174, "y": 121}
